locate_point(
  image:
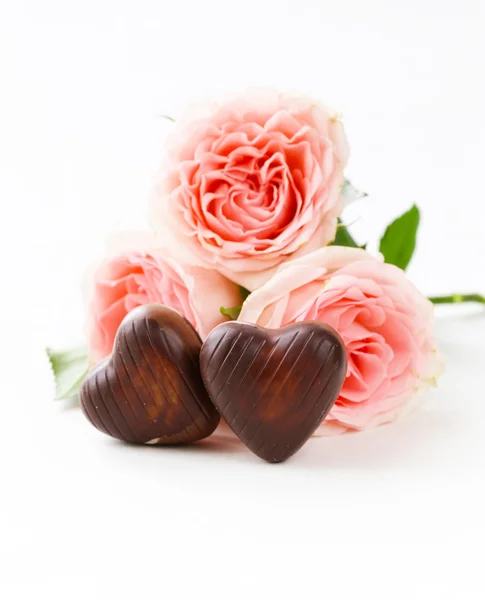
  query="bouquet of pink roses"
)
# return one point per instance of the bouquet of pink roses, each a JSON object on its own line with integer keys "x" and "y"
{"x": 245, "y": 226}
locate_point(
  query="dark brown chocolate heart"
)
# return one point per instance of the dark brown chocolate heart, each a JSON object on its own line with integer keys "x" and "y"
{"x": 273, "y": 387}
{"x": 150, "y": 389}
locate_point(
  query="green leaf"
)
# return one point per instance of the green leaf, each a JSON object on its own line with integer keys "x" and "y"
{"x": 70, "y": 367}
{"x": 244, "y": 292}
{"x": 399, "y": 240}
{"x": 231, "y": 312}
{"x": 350, "y": 193}
{"x": 343, "y": 237}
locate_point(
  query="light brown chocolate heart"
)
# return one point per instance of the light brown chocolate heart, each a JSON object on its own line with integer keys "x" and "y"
{"x": 273, "y": 386}
{"x": 150, "y": 389}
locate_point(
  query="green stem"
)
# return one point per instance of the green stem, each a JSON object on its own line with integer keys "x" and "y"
{"x": 458, "y": 299}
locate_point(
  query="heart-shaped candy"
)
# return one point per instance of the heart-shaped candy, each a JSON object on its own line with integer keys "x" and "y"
{"x": 273, "y": 386}
{"x": 150, "y": 389}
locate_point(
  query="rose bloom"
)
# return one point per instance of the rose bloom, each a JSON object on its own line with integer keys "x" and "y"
{"x": 250, "y": 182}
{"x": 386, "y": 325}
{"x": 145, "y": 274}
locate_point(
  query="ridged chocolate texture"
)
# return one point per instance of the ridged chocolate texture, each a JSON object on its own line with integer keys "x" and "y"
{"x": 150, "y": 388}
{"x": 273, "y": 387}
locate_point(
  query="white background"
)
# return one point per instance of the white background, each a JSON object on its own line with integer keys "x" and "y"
{"x": 397, "y": 512}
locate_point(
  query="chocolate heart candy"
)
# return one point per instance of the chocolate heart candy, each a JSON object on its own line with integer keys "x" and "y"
{"x": 273, "y": 387}
{"x": 150, "y": 388}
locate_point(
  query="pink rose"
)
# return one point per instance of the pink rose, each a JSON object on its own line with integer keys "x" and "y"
{"x": 252, "y": 182}
{"x": 386, "y": 324}
{"x": 136, "y": 273}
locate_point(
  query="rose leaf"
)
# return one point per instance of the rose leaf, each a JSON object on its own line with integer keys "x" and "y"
{"x": 399, "y": 240}
{"x": 343, "y": 237}
{"x": 231, "y": 313}
{"x": 350, "y": 193}
{"x": 70, "y": 367}
{"x": 244, "y": 292}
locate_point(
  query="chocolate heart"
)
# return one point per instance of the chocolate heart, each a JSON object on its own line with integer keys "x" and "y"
{"x": 150, "y": 389}
{"x": 273, "y": 387}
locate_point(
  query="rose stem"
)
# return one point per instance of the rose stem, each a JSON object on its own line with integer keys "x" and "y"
{"x": 457, "y": 299}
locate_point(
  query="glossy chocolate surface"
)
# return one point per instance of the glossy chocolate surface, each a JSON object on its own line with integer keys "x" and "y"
{"x": 150, "y": 388}
{"x": 273, "y": 387}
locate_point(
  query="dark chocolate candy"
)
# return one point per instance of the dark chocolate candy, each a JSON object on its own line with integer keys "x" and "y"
{"x": 150, "y": 388}
{"x": 273, "y": 387}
